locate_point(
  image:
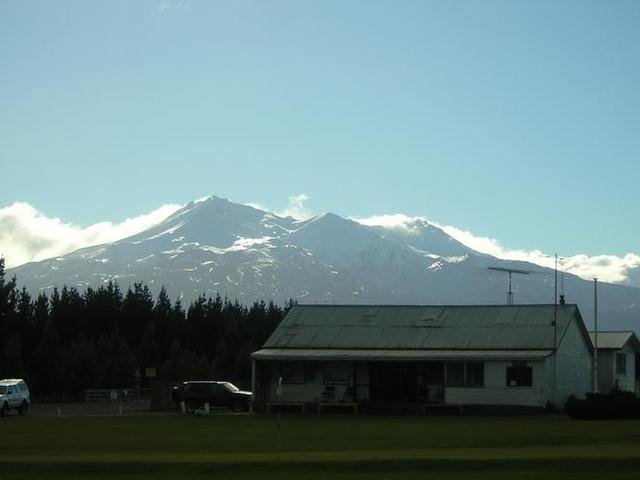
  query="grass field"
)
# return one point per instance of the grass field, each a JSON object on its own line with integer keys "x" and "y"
{"x": 310, "y": 447}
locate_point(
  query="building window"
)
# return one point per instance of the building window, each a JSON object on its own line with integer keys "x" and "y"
{"x": 519, "y": 376}
{"x": 455, "y": 374}
{"x": 292, "y": 373}
{"x": 621, "y": 363}
{"x": 310, "y": 370}
{"x": 335, "y": 373}
{"x": 474, "y": 375}
{"x": 465, "y": 374}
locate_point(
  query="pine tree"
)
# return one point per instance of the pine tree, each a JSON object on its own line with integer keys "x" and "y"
{"x": 149, "y": 354}
{"x": 68, "y": 342}
{"x": 8, "y": 300}
{"x": 48, "y": 377}
{"x": 137, "y": 311}
{"x": 82, "y": 364}
{"x": 166, "y": 326}
{"x": 103, "y": 308}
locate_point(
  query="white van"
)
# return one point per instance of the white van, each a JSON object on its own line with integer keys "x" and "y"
{"x": 14, "y": 394}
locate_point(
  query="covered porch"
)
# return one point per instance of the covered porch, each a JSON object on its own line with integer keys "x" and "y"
{"x": 383, "y": 380}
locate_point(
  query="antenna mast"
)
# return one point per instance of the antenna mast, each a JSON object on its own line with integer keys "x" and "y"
{"x": 510, "y": 271}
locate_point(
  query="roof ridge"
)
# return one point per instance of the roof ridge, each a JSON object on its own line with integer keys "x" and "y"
{"x": 612, "y": 331}
{"x": 448, "y": 305}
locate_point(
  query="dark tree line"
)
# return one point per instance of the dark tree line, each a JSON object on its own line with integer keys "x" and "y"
{"x": 68, "y": 341}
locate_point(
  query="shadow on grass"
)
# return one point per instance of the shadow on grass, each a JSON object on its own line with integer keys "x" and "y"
{"x": 380, "y": 469}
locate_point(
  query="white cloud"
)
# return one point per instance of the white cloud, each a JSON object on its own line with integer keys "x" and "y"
{"x": 397, "y": 220}
{"x": 608, "y": 268}
{"x": 257, "y": 206}
{"x": 296, "y": 208}
{"x": 27, "y": 234}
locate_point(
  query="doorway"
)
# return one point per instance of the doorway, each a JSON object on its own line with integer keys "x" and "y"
{"x": 433, "y": 382}
{"x": 393, "y": 382}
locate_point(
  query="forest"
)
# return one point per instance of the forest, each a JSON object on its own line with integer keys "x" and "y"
{"x": 67, "y": 341}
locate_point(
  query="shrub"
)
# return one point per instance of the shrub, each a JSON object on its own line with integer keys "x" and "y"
{"x": 602, "y": 406}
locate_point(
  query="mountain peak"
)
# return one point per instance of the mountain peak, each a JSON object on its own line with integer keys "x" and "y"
{"x": 209, "y": 198}
{"x": 213, "y": 245}
{"x": 330, "y": 217}
{"x": 330, "y": 222}
{"x": 214, "y": 205}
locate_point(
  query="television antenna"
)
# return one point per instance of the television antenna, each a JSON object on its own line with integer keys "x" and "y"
{"x": 510, "y": 271}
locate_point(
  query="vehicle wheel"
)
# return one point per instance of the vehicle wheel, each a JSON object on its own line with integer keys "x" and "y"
{"x": 4, "y": 410}
{"x": 22, "y": 409}
{"x": 237, "y": 407}
{"x": 191, "y": 406}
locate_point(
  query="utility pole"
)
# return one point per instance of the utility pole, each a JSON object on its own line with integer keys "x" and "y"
{"x": 555, "y": 306}
{"x": 555, "y": 331}
{"x": 595, "y": 347}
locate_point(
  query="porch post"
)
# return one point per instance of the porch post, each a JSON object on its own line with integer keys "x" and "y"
{"x": 253, "y": 380}
{"x": 354, "y": 379}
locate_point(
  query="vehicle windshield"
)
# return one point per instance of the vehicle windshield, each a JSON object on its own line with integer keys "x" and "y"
{"x": 230, "y": 386}
{"x": 3, "y": 389}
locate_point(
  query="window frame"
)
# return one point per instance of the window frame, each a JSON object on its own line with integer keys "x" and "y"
{"x": 522, "y": 368}
{"x": 464, "y": 381}
{"x": 448, "y": 377}
{"x": 621, "y": 363}
{"x": 467, "y": 380}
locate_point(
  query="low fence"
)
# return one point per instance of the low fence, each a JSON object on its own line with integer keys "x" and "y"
{"x": 116, "y": 394}
{"x": 160, "y": 394}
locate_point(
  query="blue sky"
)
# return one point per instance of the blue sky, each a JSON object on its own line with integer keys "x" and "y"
{"x": 518, "y": 120}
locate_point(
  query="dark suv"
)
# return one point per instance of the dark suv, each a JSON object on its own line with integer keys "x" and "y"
{"x": 216, "y": 394}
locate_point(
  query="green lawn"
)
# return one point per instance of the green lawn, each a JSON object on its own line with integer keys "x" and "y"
{"x": 311, "y": 447}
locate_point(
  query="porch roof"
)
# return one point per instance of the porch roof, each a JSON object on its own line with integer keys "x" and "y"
{"x": 395, "y": 355}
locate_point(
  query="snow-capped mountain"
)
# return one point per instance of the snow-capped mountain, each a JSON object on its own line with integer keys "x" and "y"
{"x": 216, "y": 246}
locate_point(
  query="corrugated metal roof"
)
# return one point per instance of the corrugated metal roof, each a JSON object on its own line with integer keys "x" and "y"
{"x": 614, "y": 340}
{"x": 465, "y": 327}
{"x": 346, "y": 354}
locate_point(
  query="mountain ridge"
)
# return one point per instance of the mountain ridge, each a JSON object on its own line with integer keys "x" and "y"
{"x": 216, "y": 246}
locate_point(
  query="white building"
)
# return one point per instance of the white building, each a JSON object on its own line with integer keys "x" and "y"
{"x": 413, "y": 357}
{"x": 617, "y": 352}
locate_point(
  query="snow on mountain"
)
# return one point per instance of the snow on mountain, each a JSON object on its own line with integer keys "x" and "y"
{"x": 216, "y": 246}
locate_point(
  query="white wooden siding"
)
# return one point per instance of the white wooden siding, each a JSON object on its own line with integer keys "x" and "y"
{"x": 496, "y": 391}
{"x": 574, "y": 368}
{"x": 549, "y": 379}
{"x": 313, "y": 387}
